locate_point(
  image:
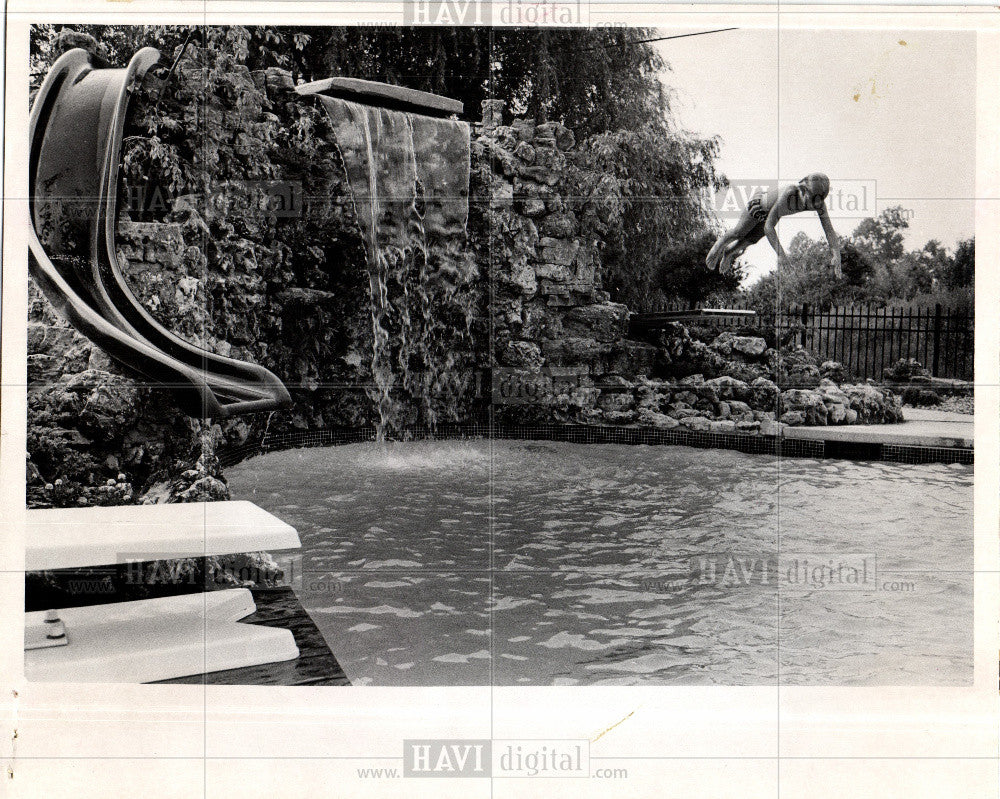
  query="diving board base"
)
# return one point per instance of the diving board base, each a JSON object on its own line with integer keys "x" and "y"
{"x": 157, "y": 639}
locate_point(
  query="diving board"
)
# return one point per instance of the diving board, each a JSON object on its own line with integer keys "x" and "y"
{"x": 652, "y": 321}
{"x": 383, "y": 95}
{"x": 68, "y": 538}
{"x": 157, "y": 639}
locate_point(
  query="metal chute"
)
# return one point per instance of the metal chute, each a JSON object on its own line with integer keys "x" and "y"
{"x": 75, "y": 133}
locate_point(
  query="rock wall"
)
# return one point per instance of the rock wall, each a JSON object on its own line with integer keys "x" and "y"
{"x": 97, "y": 436}
{"x": 550, "y": 313}
{"x": 288, "y": 292}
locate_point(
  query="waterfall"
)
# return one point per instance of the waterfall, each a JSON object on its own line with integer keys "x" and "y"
{"x": 409, "y": 178}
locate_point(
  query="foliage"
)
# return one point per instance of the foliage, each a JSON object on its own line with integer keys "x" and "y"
{"x": 920, "y": 397}
{"x": 905, "y": 370}
{"x": 649, "y": 183}
{"x": 591, "y": 80}
{"x": 961, "y": 271}
{"x": 882, "y": 236}
{"x": 683, "y": 274}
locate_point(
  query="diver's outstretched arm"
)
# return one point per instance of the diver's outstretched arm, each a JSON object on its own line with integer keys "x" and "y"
{"x": 772, "y": 235}
{"x": 831, "y": 238}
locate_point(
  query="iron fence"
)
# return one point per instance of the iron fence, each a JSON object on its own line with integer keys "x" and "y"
{"x": 867, "y": 339}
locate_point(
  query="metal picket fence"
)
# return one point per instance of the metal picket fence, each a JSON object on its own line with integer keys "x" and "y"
{"x": 869, "y": 339}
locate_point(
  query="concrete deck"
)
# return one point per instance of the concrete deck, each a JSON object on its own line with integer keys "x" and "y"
{"x": 922, "y": 428}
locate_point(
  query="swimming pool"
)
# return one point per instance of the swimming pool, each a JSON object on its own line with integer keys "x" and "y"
{"x": 470, "y": 561}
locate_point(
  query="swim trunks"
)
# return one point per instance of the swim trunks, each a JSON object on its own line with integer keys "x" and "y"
{"x": 756, "y": 208}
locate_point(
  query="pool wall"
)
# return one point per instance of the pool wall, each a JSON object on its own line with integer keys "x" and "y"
{"x": 759, "y": 444}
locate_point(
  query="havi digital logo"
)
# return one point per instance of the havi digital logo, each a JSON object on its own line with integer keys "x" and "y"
{"x": 447, "y": 758}
{"x": 498, "y": 12}
{"x": 444, "y": 12}
{"x": 496, "y": 758}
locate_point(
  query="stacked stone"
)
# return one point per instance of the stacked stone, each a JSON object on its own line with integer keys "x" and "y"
{"x": 550, "y": 310}
{"x": 757, "y": 404}
{"x": 168, "y": 277}
{"x": 553, "y": 329}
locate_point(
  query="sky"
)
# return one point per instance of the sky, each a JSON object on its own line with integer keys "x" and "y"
{"x": 891, "y": 110}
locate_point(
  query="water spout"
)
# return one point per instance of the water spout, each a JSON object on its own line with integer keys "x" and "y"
{"x": 409, "y": 177}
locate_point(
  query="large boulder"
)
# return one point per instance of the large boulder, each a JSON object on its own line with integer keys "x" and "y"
{"x": 798, "y": 367}
{"x": 907, "y": 370}
{"x": 833, "y": 370}
{"x": 661, "y": 421}
{"x": 619, "y": 417}
{"x": 749, "y": 346}
{"x": 601, "y": 321}
{"x": 874, "y": 405}
{"x": 559, "y": 225}
{"x": 557, "y": 251}
{"x": 683, "y": 355}
{"x": 555, "y": 132}
{"x": 809, "y": 403}
{"x": 203, "y": 482}
{"x": 729, "y": 344}
{"x": 521, "y": 354}
{"x": 920, "y": 396}
{"x": 107, "y": 403}
{"x": 722, "y": 426}
{"x": 764, "y": 394}
{"x": 616, "y": 399}
{"x": 521, "y": 276}
{"x": 653, "y": 395}
{"x": 698, "y": 424}
{"x": 574, "y": 350}
{"x": 723, "y": 343}
{"x": 727, "y": 387}
{"x": 632, "y": 358}
{"x": 572, "y": 397}
{"x": 740, "y": 411}
{"x": 836, "y": 401}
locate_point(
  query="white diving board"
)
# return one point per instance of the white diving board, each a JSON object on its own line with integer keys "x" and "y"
{"x": 156, "y": 639}
{"x": 66, "y": 538}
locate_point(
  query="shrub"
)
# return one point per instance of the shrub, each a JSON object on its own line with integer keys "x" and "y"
{"x": 906, "y": 370}
{"x": 920, "y": 397}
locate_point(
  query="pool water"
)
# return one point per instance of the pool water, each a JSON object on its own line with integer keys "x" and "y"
{"x": 539, "y": 563}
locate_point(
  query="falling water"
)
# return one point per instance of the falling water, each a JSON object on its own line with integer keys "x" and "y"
{"x": 267, "y": 427}
{"x": 409, "y": 178}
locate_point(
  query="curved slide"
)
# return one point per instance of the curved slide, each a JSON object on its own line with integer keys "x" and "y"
{"x": 75, "y": 138}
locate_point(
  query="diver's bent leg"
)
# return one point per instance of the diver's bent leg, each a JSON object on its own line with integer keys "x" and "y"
{"x": 712, "y": 259}
{"x": 734, "y": 251}
{"x": 739, "y": 236}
